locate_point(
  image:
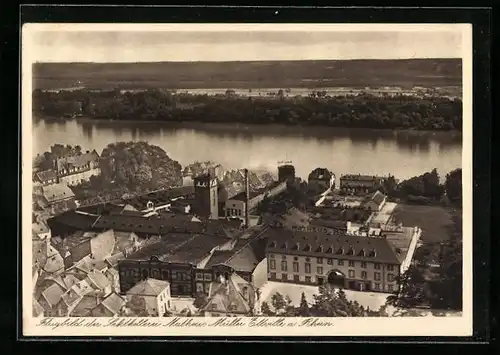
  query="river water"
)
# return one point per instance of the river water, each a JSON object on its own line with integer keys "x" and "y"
{"x": 364, "y": 151}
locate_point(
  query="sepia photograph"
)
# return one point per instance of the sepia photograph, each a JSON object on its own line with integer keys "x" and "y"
{"x": 247, "y": 179}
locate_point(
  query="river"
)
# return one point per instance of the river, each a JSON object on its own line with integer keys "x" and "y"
{"x": 364, "y": 151}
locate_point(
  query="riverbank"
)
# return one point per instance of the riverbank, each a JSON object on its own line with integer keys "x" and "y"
{"x": 262, "y": 128}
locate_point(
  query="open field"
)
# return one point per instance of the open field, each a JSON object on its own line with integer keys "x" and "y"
{"x": 434, "y": 220}
{"x": 265, "y": 74}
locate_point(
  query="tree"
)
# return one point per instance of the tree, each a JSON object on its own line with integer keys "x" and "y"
{"x": 453, "y": 185}
{"x": 412, "y": 289}
{"x": 334, "y": 303}
{"x": 266, "y": 310}
{"x": 200, "y": 301}
{"x": 303, "y": 310}
{"x": 449, "y": 289}
{"x": 136, "y": 307}
{"x": 279, "y": 302}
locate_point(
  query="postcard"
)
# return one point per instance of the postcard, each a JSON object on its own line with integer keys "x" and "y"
{"x": 247, "y": 179}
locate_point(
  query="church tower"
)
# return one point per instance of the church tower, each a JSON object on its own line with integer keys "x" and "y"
{"x": 206, "y": 196}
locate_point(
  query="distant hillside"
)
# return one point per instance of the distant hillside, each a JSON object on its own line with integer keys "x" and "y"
{"x": 265, "y": 74}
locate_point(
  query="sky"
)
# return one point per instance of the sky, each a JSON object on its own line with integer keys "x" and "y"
{"x": 91, "y": 43}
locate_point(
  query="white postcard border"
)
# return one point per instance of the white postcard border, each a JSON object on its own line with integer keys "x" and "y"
{"x": 392, "y": 326}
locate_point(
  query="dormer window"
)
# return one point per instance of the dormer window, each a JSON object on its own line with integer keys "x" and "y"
{"x": 296, "y": 246}
{"x": 320, "y": 249}
{"x": 362, "y": 253}
{"x": 307, "y": 247}
{"x": 373, "y": 253}
{"x": 340, "y": 251}
{"x": 272, "y": 244}
{"x": 350, "y": 251}
{"x": 284, "y": 245}
{"x": 330, "y": 250}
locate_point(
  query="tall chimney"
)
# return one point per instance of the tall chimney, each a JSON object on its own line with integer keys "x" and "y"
{"x": 247, "y": 200}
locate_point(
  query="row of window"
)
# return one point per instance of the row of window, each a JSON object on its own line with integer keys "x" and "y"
{"x": 319, "y": 270}
{"x": 233, "y": 212}
{"x": 200, "y": 276}
{"x": 296, "y": 278}
{"x": 340, "y": 262}
{"x": 157, "y": 274}
{"x": 307, "y": 265}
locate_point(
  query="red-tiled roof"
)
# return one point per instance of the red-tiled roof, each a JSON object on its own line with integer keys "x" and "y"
{"x": 334, "y": 246}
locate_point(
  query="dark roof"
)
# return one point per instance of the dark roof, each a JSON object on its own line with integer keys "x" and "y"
{"x": 166, "y": 246}
{"x": 156, "y": 225}
{"x": 329, "y": 223}
{"x": 72, "y": 219}
{"x": 320, "y": 174}
{"x": 219, "y": 257}
{"x": 177, "y": 248}
{"x": 378, "y": 197}
{"x": 46, "y": 175}
{"x": 330, "y": 245}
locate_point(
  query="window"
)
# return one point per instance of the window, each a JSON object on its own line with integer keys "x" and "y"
{"x": 390, "y": 267}
{"x": 308, "y": 268}
{"x": 319, "y": 260}
{"x": 284, "y": 277}
{"x": 351, "y": 263}
{"x": 376, "y": 266}
{"x": 363, "y": 264}
{"x": 284, "y": 266}
{"x": 377, "y": 286}
{"x": 295, "y": 266}
{"x": 320, "y": 270}
{"x": 307, "y": 259}
{"x": 207, "y": 277}
{"x": 271, "y": 256}
{"x": 273, "y": 276}
{"x": 352, "y": 273}
{"x": 390, "y": 277}
{"x": 272, "y": 264}
{"x": 390, "y": 288}
{"x": 377, "y": 276}
{"x": 283, "y": 257}
{"x": 199, "y": 276}
{"x": 295, "y": 258}
{"x": 341, "y": 262}
{"x": 308, "y": 279}
{"x": 329, "y": 261}
{"x": 363, "y": 274}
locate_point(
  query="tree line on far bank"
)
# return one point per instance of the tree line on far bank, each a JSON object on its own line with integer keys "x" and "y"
{"x": 357, "y": 111}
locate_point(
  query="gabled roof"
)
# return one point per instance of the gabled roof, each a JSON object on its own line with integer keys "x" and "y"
{"x": 84, "y": 306}
{"x": 114, "y": 303}
{"x": 227, "y": 297}
{"x": 98, "y": 279}
{"x": 77, "y": 160}
{"x": 53, "y": 294}
{"x": 359, "y": 177}
{"x": 57, "y": 192}
{"x": 330, "y": 245}
{"x": 46, "y": 175}
{"x": 149, "y": 287}
{"x": 378, "y": 197}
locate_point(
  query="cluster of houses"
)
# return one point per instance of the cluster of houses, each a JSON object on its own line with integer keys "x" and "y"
{"x": 54, "y": 184}
{"x": 183, "y": 251}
